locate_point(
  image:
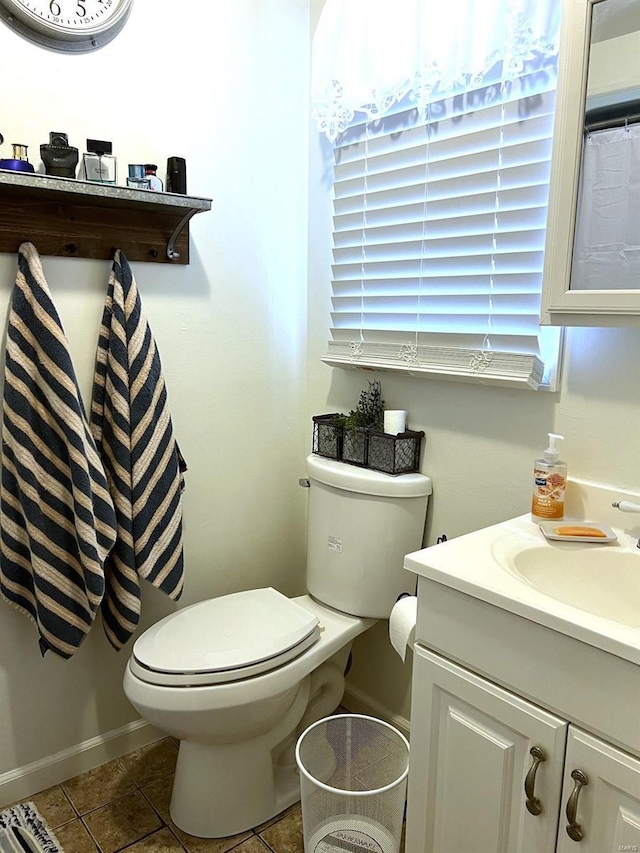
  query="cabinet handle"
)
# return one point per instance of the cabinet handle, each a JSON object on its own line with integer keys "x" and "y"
{"x": 533, "y": 803}
{"x": 574, "y": 830}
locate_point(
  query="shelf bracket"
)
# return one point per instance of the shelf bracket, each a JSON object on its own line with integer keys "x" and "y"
{"x": 171, "y": 253}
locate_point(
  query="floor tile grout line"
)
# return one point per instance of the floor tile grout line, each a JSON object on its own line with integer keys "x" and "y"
{"x": 269, "y": 847}
{"x": 68, "y": 799}
{"x": 148, "y": 835}
{"x": 91, "y": 836}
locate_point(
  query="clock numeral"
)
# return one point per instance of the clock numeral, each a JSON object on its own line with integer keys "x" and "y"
{"x": 54, "y": 8}
{"x": 81, "y": 11}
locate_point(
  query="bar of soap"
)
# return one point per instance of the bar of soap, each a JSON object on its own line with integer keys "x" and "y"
{"x": 580, "y": 530}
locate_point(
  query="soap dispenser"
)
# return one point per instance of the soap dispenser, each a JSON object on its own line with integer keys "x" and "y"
{"x": 549, "y": 483}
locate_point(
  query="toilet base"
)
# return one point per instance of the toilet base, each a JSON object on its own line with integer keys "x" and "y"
{"x": 237, "y": 795}
{"x": 222, "y": 790}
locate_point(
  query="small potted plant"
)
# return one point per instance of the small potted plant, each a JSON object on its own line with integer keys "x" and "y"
{"x": 367, "y": 416}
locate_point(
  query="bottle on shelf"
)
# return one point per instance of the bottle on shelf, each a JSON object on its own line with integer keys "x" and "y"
{"x": 155, "y": 182}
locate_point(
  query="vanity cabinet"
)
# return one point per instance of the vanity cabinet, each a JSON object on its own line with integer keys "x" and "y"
{"x": 491, "y": 772}
{"x": 589, "y": 44}
{"x": 609, "y": 806}
{"x": 470, "y": 754}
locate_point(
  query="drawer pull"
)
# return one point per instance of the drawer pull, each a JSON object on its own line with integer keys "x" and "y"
{"x": 534, "y": 806}
{"x": 574, "y": 830}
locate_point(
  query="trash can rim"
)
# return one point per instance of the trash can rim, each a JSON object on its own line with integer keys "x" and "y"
{"x": 333, "y": 790}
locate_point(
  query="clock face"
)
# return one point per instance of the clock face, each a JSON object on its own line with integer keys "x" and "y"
{"x": 69, "y": 25}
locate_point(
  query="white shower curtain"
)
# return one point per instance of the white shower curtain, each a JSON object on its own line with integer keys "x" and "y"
{"x": 607, "y": 243}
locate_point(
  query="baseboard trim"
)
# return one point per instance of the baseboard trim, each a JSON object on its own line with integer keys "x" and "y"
{"x": 24, "y": 782}
{"x": 361, "y": 703}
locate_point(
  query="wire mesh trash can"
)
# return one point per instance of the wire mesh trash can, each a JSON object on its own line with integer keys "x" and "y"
{"x": 353, "y": 781}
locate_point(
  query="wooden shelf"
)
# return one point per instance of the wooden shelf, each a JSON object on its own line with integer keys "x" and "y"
{"x": 77, "y": 219}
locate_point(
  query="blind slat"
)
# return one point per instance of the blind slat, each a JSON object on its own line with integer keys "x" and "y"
{"x": 452, "y": 285}
{"x": 434, "y": 229}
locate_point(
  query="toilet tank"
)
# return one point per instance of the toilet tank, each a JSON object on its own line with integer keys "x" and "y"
{"x": 360, "y": 525}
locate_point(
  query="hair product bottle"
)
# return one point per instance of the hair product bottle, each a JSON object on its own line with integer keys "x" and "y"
{"x": 549, "y": 483}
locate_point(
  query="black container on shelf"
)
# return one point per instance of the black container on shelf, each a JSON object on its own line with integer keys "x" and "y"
{"x": 327, "y": 435}
{"x": 177, "y": 175}
{"x": 394, "y": 454}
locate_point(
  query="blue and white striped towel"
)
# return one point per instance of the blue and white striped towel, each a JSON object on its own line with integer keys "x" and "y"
{"x": 132, "y": 428}
{"x": 58, "y": 521}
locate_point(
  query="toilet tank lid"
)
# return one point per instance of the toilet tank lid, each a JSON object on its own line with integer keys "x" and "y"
{"x": 235, "y": 630}
{"x": 350, "y": 478}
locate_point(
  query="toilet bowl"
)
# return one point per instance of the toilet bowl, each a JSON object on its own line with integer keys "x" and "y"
{"x": 236, "y": 764}
{"x": 238, "y": 678}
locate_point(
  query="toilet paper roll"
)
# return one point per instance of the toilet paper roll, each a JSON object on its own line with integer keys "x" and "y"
{"x": 395, "y": 421}
{"x": 402, "y": 624}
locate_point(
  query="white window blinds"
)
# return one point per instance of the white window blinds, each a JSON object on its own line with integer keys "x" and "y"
{"x": 439, "y": 230}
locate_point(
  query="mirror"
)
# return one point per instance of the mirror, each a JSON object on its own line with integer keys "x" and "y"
{"x": 592, "y": 252}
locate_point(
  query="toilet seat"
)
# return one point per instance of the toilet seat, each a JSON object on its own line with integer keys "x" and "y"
{"x": 224, "y": 639}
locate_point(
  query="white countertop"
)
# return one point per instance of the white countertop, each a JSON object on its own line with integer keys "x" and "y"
{"x": 478, "y": 564}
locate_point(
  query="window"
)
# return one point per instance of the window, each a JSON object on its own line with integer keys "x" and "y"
{"x": 439, "y": 230}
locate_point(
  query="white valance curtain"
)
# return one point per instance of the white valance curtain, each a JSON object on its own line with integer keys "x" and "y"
{"x": 370, "y": 54}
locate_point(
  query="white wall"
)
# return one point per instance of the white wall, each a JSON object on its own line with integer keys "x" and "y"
{"x": 225, "y": 86}
{"x": 480, "y": 441}
{"x": 614, "y": 65}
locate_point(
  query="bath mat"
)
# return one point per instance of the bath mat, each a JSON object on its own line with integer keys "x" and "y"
{"x": 22, "y": 828}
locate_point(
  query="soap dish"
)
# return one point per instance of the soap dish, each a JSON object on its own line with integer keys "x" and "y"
{"x": 593, "y": 531}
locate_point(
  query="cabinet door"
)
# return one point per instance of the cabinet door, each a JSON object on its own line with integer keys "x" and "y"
{"x": 470, "y": 756}
{"x": 606, "y": 810}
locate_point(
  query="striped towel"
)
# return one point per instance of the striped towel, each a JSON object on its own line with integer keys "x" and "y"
{"x": 58, "y": 521}
{"x": 131, "y": 425}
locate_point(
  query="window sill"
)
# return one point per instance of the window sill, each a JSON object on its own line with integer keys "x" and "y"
{"x": 507, "y": 370}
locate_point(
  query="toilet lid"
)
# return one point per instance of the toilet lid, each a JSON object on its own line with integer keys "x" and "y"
{"x": 225, "y": 639}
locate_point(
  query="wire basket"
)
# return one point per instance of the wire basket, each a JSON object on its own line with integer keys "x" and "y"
{"x": 353, "y": 781}
{"x": 355, "y": 446}
{"x": 328, "y": 433}
{"x": 394, "y": 454}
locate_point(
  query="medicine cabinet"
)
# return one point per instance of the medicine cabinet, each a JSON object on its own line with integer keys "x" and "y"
{"x": 71, "y": 218}
{"x": 598, "y": 76}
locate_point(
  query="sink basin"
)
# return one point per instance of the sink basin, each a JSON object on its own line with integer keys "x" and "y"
{"x": 588, "y": 591}
{"x": 603, "y": 581}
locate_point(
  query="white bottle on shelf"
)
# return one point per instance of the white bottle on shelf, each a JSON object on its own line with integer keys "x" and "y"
{"x": 154, "y": 181}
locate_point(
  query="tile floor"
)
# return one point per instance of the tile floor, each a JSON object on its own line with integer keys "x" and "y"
{"x": 124, "y": 806}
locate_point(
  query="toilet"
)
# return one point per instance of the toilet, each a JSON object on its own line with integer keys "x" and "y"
{"x": 237, "y": 679}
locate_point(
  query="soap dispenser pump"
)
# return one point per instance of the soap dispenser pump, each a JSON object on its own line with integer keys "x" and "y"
{"x": 549, "y": 483}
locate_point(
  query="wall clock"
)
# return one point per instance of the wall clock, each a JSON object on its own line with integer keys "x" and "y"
{"x": 67, "y": 25}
